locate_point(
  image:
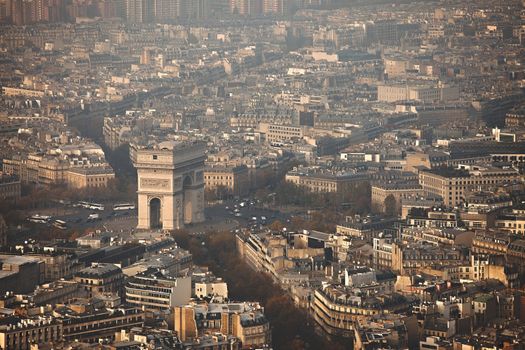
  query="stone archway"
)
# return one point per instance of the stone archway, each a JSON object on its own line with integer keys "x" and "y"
{"x": 172, "y": 173}
{"x": 155, "y": 213}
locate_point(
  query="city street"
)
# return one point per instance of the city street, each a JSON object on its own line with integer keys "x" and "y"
{"x": 219, "y": 217}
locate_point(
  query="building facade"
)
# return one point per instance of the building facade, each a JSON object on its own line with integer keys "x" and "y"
{"x": 10, "y": 188}
{"x": 234, "y": 180}
{"x": 21, "y": 334}
{"x": 153, "y": 291}
{"x": 452, "y": 185}
{"x": 100, "y": 278}
{"x": 89, "y": 177}
{"x": 170, "y": 184}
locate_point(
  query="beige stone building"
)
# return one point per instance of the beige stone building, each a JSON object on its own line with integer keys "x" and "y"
{"x": 52, "y": 171}
{"x": 429, "y": 160}
{"x": 424, "y": 93}
{"x": 89, "y": 177}
{"x": 22, "y": 334}
{"x": 395, "y": 67}
{"x": 234, "y": 179}
{"x": 246, "y": 321}
{"x": 512, "y": 221}
{"x": 252, "y": 329}
{"x": 12, "y": 166}
{"x": 280, "y": 133}
{"x": 86, "y": 324}
{"x": 12, "y": 91}
{"x": 452, "y": 185}
{"x": 55, "y": 293}
{"x": 253, "y": 120}
{"x": 57, "y": 266}
{"x": 336, "y": 308}
{"x": 399, "y": 191}
{"x": 100, "y": 278}
{"x": 490, "y": 243}
{"x": 341, "y": 184}
{"x": 403, "y": 258}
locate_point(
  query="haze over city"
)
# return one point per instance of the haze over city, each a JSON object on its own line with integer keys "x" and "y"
{"x": 262, "y": 174}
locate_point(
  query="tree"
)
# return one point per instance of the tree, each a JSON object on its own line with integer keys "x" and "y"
{"x": 390, "y": 205}
{"x": 277, "y": 225}
{"x": 222, "y": 192}
{"x": 291, "y": 326}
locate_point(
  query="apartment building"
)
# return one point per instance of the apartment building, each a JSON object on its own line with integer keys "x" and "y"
{"x": 409, "y": 258}
{"x": 76, "y": 174}
{"x": 52, "y": 171}
{"x": 432, "y": 218}
{"x": 336, "y": 308}
{"x": 78, "y": 178}
{"x": 55, "y": 293}
{"x": 152, "y": 290}
{"x": 512, "y": 221}
{"x": 452, "y": 184}
{"x": 89, "y": 324}
{"x": 490, "y": 243}
{"x": 333, "y": 182}
{"x": 100, "y": 278}
{"x": 399, "y": 191}
{"x": 57, "y": 265}
{"x": 249, "y": 120}
{"x": 234, "y": 180}
{"x": 246, "y": 321}
{"x": 423, "y": 93}
{"x": 382, "y": 252}
{"x": 281, "y": 133}
{"x": 20, "y": 274}
{"x": 21, "y": 334}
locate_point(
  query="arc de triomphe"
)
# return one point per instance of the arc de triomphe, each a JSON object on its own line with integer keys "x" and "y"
{"x": 170, "y": 184}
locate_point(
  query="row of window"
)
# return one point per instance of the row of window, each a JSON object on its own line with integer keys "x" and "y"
{"x": 218, "y": 177}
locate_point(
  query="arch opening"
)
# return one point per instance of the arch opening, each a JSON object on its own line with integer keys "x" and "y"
{"x": 155, "y": 213}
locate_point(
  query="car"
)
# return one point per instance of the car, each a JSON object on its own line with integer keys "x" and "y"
{"x": 93, "y": 217}
{"x": 238, "y": 214}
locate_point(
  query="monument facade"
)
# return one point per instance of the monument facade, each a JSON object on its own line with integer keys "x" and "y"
{"x": 170, "y": 184}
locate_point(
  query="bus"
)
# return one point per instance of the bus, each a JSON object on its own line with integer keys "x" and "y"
{"x": 39, "y": 219}
{"x": 60, "y": 224}
{"x": 96, "y": 206}
{"x": 88, "y": 205}
{"x": 82, "y": 204}
{"x": 124, "y": 206}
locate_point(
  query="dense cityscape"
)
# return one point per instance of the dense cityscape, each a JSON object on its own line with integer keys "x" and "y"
{"x": 262, "y": 174}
